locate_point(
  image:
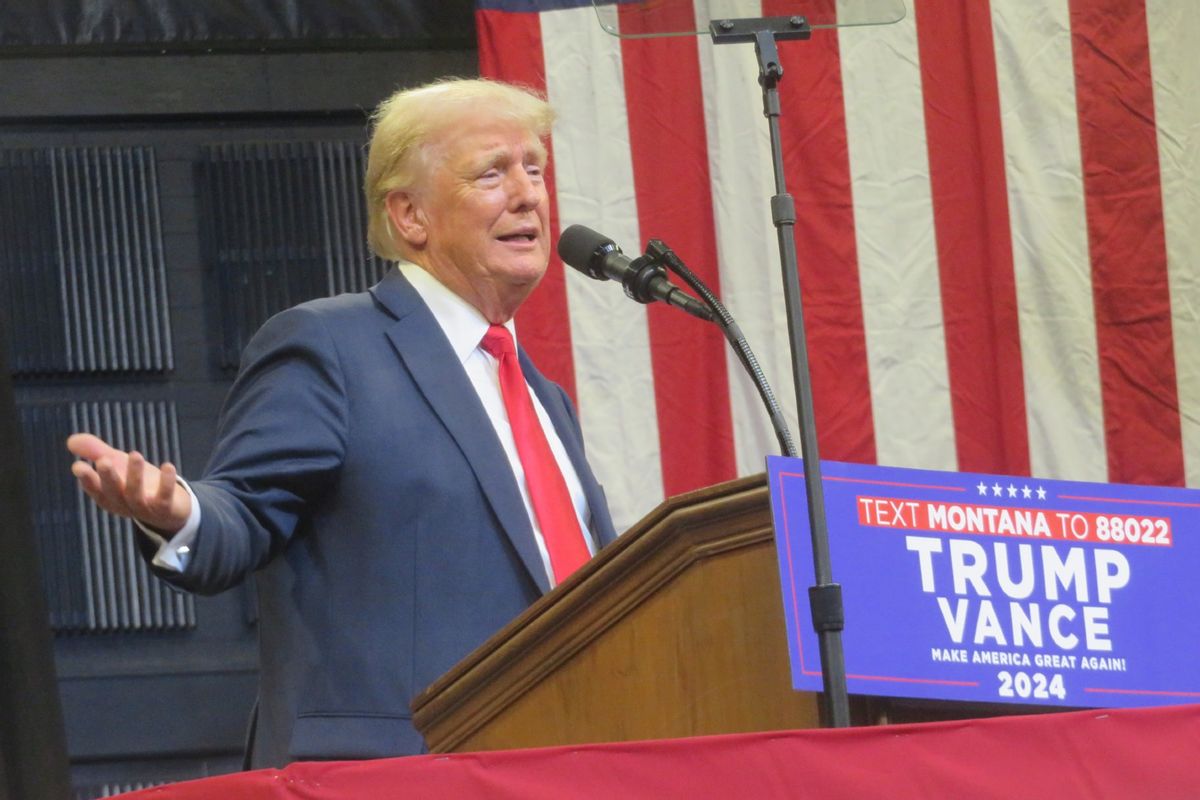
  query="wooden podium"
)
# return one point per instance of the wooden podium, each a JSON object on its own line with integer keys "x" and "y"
{"x": 674, "y": 630}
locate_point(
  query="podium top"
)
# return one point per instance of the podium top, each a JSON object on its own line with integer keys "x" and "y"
{"x": 640, "y": 19}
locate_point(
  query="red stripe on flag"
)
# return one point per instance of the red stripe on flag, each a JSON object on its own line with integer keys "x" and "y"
{"x": 1115, "y": 99}
{"x": 544, "y": 321}
{"x": 673, "y": 189}
{"x": 817, "y": 169}
{"x": 974, "y": 245}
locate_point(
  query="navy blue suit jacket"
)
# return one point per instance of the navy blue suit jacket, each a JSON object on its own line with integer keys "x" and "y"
{"x": 356, "y": 468}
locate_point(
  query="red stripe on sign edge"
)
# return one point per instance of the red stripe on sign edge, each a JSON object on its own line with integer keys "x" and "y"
{"x": 510, "y": 49}
{"x": 668, "y": 143}
{"x": 1156, "y": 692}
{"x": 1127, "y": 241}
{"x": 971, "y": 225}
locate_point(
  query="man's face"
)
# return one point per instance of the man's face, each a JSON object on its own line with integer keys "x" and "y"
{"x": 484, "y": 213}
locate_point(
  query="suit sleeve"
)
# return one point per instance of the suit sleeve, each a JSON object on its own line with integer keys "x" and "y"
{"x": 279, "y": 449}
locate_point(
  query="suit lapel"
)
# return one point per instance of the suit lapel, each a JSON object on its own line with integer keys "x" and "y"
{"x": 427, "y": 355}
{"x": 568, "y": 433}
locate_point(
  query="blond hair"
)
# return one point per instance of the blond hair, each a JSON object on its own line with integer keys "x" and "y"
{"x": 405, "y": 124}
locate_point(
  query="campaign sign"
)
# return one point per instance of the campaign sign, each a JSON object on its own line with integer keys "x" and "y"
{"x": 963, "y": 586}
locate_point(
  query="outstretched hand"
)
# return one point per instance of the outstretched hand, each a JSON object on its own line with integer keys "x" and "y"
{"x": 125, "y": 484}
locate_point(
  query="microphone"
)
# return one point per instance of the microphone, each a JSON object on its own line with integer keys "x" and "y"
{"x": 644, "y": 279}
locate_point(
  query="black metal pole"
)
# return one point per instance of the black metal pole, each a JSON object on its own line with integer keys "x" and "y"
{"x": 825, "y": 596}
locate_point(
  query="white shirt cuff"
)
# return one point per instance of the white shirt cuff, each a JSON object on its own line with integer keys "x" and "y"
{"x": 173, "y": 553}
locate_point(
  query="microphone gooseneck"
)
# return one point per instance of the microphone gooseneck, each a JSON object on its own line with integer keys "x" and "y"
{"x": 645, "y": 280}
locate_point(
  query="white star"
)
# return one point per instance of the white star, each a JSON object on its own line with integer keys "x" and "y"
{"x": 1026, "y": 492}
{"x": 1041, "y": 493}
{"x": 1012, "y": 490}
{"x": 982, "y": 487}
{"x": 997, "y": 489}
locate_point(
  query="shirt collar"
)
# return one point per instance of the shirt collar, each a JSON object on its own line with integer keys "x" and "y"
{"x": 462, "y": 323}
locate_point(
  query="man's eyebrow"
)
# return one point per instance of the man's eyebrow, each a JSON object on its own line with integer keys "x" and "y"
{"x": 489, "y": 159}
{"x": 501, "y": 155}
{"x": 538, "y": 153}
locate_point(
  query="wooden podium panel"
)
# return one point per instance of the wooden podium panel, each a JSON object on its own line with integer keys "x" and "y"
{"x": 674, "y": 630}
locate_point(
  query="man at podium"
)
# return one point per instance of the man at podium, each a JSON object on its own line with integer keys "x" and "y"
{"x": 398, "y": 473}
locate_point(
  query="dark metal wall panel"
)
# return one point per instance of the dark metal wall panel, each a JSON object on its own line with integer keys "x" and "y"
{"x": 95, "y": 580}
{"x": 327, "y": 85}
{"x": 30, "y": 273}
{"x": 56, "y": 515}
{"x": 172, "y": 24}
{"x": 84, "y": 276}
{"x": 350, "y": 266}
{"x": 96, "y": 791}
{"x": 283, "y": 222}
{"x": 109, "y": 233}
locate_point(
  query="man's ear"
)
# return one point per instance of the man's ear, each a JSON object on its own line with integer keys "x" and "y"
{"x": 407, "y": 218}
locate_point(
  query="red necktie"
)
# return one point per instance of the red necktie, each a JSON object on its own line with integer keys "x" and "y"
{"x": 547, "y": 489}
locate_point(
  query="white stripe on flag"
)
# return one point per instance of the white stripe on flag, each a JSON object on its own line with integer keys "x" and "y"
{"x": 739, "y": 156}
{"x": 897, "y": 253}
{"x": 594, "y": 185}
{"x": 1050, "y": 249}
{"x": 1174, "y": 29}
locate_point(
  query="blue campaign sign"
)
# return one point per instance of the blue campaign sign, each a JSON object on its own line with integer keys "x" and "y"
{"x": 963, "y": 586}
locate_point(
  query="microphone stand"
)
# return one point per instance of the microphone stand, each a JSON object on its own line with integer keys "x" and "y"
{"x": 826, "y": 596}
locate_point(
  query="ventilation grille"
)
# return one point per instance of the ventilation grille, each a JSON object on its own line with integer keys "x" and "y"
{"x": 284, "y": 222}
{"x": 83, "y": 278}
{"x": 97, "y": 791}
{"x": 94, "y": 578}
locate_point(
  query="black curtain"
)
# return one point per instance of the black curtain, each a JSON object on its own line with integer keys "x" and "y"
{"x": 33, "y": 754}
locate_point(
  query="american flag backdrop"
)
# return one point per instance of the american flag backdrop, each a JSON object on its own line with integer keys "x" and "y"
{"x": 998, "y": 234}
